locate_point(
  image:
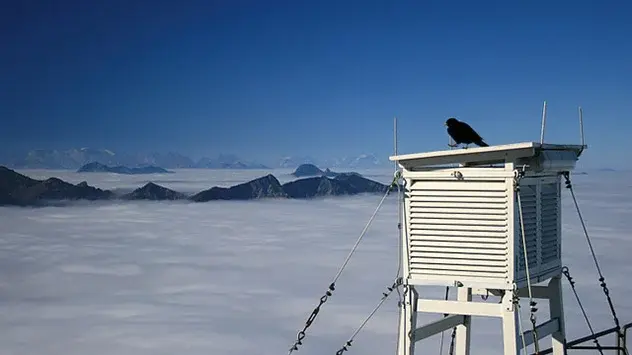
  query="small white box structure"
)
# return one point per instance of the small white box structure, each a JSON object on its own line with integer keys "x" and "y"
{"x": 462, "y": 227}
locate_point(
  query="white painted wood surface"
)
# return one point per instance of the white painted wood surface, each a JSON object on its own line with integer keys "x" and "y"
{"x": 462, "y": 227}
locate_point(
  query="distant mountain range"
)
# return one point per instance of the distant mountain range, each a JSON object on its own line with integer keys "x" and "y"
{"x": 20, "y": 190}
{"x": 95, "y": 167}
{"x": 75, "y": 158}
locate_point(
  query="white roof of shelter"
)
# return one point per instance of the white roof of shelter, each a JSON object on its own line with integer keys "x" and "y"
{"x": 483, "y": 155}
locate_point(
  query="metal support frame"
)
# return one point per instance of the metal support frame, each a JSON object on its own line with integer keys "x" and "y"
{"x": 620, "y": 347}
{"x": 461, "y": 311}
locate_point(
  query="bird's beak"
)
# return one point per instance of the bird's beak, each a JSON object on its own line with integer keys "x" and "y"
{"x": 445, "y": 124}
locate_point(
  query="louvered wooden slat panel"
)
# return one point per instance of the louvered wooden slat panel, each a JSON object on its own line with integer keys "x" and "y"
{"x": 528, "y": 203}
{"x": 458, "y": 229}
{"x": 549, "y": 223}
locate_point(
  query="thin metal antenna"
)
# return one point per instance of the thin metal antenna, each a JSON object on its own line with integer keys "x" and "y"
{"x": 400, "y": 206}
{"x": 543, "y": 123}
{"x": 581, "y": 125}
{"x": 395, "y": 135}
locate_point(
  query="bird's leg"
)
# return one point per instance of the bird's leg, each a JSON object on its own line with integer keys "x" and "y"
{"x": 453, "y": 145}
{"x": 466, "y": 146}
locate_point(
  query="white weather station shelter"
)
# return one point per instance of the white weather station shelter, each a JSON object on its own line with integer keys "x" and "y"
{"x": 486, "y": 221}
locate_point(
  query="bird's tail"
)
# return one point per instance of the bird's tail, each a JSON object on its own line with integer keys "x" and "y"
{"x": 481, "y": 143}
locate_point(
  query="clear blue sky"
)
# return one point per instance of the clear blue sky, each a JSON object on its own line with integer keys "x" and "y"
{"x": 267, "y": 78}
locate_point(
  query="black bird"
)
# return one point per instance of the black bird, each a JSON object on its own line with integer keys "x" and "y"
{"x": 461, "y": 132}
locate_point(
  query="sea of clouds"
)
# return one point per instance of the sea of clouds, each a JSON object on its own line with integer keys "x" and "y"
{"x": 230, "y": 277}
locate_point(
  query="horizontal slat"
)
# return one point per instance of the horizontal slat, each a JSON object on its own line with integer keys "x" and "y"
{"x": 460, "y": 210}
{"x": 430, "y": 220}
{"x": 448, "y": 204}
{"x": 459, "y": 185}
{"x": 458, "y": 218}
{"x": 424, "y": 227}
{"x": 482, "y": 231}
{"x": 458, "y": 239}
{"x": 443, "y": 249}
{"x": 473, "y": 262}
{"x": 529, "y": 251}
{"x": 458, "y": 256}
{"x": 459, "y": 245}
{"x": 464, "y": 270}
{"x": 457, "y": 273}
{"x": 549, "y": 251}
{"x": 459, "y": 193}
{"x": 549, "y": 226}
{"x": 459, "y": 199}
{"x": 527, "y": 197}
{"x": 527, "y": 218}
{"x": 531, "y": 245}
{"x": 528, "y": 222}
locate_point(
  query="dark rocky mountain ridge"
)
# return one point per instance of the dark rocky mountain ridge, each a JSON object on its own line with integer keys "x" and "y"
{"x": 264, "y": 187}
{"x": 155, "y": 192}
{"x": 20, "y": 190}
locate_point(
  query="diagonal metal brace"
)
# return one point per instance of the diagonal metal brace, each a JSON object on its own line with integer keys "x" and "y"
{"x": 437, "y": 327}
